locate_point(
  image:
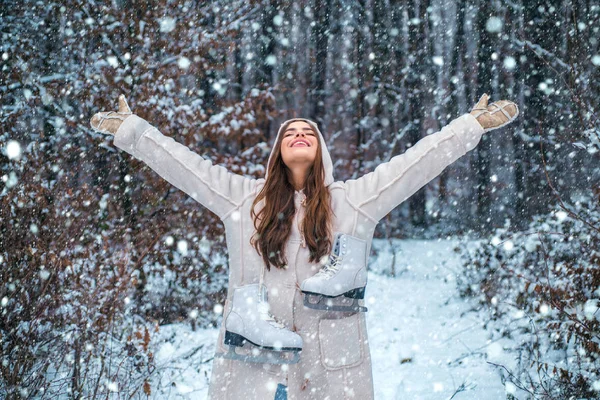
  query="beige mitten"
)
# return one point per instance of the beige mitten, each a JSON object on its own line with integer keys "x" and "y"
{"x": 109, "y": 122}
{"x": 495, "y": 115}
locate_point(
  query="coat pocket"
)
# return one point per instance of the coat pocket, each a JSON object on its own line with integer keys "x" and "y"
{"x": 341, "y": 342}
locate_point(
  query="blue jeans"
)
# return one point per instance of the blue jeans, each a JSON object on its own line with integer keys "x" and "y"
{"x": 281, "y": 393}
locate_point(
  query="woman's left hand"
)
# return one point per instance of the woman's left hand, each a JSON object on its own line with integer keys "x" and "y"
{"x": 495, "y": 115}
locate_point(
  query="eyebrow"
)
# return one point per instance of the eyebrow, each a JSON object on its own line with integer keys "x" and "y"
{"x": 295, "y": 129}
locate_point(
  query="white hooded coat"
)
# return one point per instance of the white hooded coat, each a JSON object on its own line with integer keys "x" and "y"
{"x": 335, "y": 361}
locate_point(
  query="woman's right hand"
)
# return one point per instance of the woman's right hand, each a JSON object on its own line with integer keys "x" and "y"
{"x": 110, "y": 121}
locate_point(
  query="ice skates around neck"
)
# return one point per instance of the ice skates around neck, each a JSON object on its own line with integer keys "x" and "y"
{"x": 343, "y": 277}
{"x": 250, "y": 327}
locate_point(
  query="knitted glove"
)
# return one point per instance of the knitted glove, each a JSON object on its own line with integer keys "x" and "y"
{"x": 109, "y": 122}
{"x": 496, "y": 115}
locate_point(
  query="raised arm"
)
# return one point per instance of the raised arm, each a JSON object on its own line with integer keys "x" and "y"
{"x": 211, "y": 185}
{"x": 380, "y": 191}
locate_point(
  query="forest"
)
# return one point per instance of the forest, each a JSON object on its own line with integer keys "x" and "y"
{"x": 97, "y": 252}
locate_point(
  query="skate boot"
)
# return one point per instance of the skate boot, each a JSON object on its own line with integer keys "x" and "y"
{"x": 344, "y": 276}
{"x": 250, "y": 325}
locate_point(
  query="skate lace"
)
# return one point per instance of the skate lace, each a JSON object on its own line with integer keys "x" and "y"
{"x": 265, "y": 315}
{"x": 332, "y": 267}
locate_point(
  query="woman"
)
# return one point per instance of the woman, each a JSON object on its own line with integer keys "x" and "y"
{"x": 294, "y": 234}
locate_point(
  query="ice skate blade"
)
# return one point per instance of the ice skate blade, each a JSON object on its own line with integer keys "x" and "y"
{"x": 263, "y": 356}
{"x": 238, "y": 340}
{"x": 322, "y": 305}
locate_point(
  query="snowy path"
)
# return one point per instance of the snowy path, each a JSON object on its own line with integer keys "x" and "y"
{"x": 417, "y": 316}
{"x": 421, "y": 346}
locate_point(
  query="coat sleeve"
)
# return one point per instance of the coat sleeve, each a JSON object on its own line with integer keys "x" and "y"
{"x": 211, "y": 185}
{"x": 380, "y": 191}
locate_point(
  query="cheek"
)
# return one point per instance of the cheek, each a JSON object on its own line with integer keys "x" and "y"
{"x": 284, "y": 152}
{"x": 284, "y": 147}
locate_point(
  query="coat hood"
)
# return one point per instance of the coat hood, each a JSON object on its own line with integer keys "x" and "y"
{"x": 327, "y": 164}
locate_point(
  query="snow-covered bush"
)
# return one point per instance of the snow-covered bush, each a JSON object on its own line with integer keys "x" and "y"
{"x": 541, "y": 288}
{"x": 86, "y": 271}
{"x": 65, "y": 326}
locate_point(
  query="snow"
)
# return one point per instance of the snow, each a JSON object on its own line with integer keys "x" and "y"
{"x": 10, "y": 180}
{"x": 112, "y": 61}
{"x": 424, "y": 343}
{"x": 561, "y": 215}
{"x": 183, "y": 63}
{"x": 112, "y": 386}
{"x": 590, "y": 309}
{"x": 494, "y": 25}
{"x": 13, "y": 150}
{"x": 167, "y": 25}
{"x": 278, "y": 19}
{"x": 271, "y": 60}
{"x": 510, "y": 63}
{"x": 182, "y": 246}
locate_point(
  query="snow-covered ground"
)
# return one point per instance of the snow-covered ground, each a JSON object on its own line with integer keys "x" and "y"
{"x": 422, "y": 346}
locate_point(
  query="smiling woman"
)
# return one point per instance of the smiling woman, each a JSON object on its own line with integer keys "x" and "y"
{"x": 298, "y": 150}
{"x": 296, "y": 233}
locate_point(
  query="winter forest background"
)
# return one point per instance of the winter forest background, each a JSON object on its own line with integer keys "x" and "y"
{"x": 98, "y": 253}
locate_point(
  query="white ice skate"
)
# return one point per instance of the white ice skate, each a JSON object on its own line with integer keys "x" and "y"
{"x": 251, "y": 326}
{"x": 344, "y": 276}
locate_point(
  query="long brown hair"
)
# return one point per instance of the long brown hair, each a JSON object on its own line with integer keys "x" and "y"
{"x": 275, "y": 219}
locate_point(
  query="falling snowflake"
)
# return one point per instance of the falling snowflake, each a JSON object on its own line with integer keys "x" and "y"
{"x": 13, "y": 149}
{"x": 182, "y": 247}
{"x": 112, "y": 61}
{"x": 493, "y": 25}
{"x": 510, "y": 63}
{"x": 438, "y": 60}
{"x": 44, "y": 274}
{"x": 271, "y": 60}
{"x": 183, "y": 63}
{"x": 508, "y": 245}
{"x": 167, "y": 25}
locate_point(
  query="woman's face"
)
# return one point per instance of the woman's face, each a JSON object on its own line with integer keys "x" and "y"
{"x": 299, "y": 144}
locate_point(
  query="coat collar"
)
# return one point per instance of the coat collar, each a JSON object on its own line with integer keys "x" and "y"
{"x": 327, "y": 164}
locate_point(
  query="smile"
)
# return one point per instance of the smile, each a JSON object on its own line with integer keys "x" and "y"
{"x": 300, "y": 142}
